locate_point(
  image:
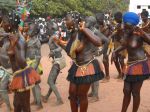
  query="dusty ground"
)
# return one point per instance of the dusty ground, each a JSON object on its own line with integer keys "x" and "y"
{"x": 111, "y": 94}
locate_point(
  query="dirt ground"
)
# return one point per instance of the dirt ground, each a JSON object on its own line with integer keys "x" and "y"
{"x": 110, "y": 93}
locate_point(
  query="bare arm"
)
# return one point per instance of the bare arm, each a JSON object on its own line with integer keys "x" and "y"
{"x": 92, "y": 37}
{"x": 119, "y": 49}
{"x": 2, "y": 34}
{"x": 146, "y": 37}
{"x": 60, "y": 43}
{"x": 21, "y": 36}
{"x": 20, "y": 54}
{"x": 58, "y": 47}
{"x": 116, "y": 51}
{"x": 105, "y": 42}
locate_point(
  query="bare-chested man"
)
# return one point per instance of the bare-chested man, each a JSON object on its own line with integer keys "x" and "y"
{"x": 58, "y": 64}
{"x": 91, "y": 22}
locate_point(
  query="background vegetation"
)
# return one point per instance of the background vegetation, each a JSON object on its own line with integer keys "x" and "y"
{"x": 60, "y": 7}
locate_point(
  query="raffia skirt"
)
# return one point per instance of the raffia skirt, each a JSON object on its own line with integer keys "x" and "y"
{"x": 85, "y": 74}
{"x": 24, "y": 79}
{"x": 138, "y": 71}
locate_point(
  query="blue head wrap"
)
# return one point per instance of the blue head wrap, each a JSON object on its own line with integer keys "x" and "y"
{"x": 131, "y": 18}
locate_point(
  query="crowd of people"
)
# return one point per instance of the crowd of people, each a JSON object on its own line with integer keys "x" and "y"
{"x": 85, "y": 39}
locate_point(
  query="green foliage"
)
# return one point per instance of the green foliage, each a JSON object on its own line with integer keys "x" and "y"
{"x": 7, "y": 4}
{"x": 60, "y": 7}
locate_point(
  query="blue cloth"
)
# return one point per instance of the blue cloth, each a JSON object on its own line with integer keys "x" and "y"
{"x": 131, "y": 18}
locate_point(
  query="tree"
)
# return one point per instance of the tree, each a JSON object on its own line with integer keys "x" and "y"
{"x": 60, "y": 7}
{"x": 7, "y": 4}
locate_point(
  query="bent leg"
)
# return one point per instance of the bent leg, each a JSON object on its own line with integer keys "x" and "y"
{"x": 52, "y": 79}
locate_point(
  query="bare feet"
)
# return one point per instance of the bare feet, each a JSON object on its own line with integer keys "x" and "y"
{"x": 106, "y": 79}
{"x": 39, "y": 107}
{"x": 93, "y": 99}
{"x": 119, "y": 77}
{"x": 44, "y": 99}
{"x": 90, "y": 95}
{"x": 10, "y": 109}
{"x": 33, "y": 103}
{"x": 59, "y": 102}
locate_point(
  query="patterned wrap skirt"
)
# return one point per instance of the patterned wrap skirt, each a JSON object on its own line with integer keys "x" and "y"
{"x": 24, "y": 79}
{"x": 86, "y": 74}
{"x": 138, "y": 71}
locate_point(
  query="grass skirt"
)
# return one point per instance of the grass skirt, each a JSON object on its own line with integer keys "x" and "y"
{"x": 24, "y": 79}
{"x": 138, "y": 71}
{"x": 85, "y": 74}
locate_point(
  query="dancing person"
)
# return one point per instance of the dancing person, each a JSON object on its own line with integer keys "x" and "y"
{"x": 91, "y": 23}
{"x": 146, "y": 27}
{"x": 138, "y": 65}
{"x": 5, "y": 73}
{"x": 24, "y": 77}
{"x": 105, "y": 30}
{"x": 58, "y": 64}
{"x": 33, "y": 57}
{"x": 85, "y": 69}
{"x": 117, "y": 38}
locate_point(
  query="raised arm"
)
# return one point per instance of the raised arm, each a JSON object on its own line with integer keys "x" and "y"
{"x": 20, "y": 54}
{"x": 92, "y": 37}
{"x": 21, "y": 36}
{"x": 59, "y": 42}
{"x": 144, "y": 35}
